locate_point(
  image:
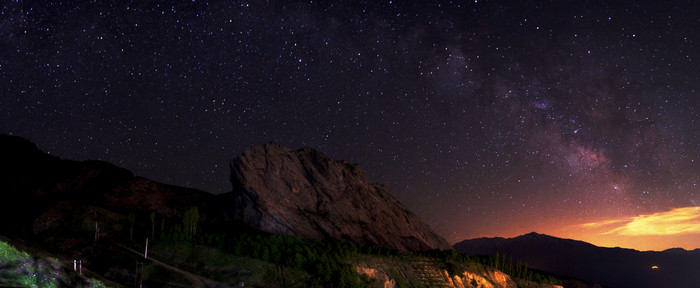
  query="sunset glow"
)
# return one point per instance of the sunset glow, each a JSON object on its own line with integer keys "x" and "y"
{"x": 673, "y": 222}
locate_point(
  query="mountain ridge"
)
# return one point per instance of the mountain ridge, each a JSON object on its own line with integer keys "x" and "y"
{"x": 535, "y": 234}
{"x": 611, "y": 267}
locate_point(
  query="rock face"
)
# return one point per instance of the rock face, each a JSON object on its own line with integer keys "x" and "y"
{"x": 305, "y": 193}
{"x": 432, "y": 274}
{"x": 486, "y": 279}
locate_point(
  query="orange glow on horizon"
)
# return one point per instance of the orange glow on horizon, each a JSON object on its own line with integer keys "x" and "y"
{"x": 673, "y": 228}
{"x": 657, "y": 231}
{"x": 673, "y": 222}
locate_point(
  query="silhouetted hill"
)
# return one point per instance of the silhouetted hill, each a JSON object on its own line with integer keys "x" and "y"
{"x": 37, "y": 186}
{"x": 610, "y": 267}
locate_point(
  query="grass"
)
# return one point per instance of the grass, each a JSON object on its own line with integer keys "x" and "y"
{"x": 21, "y": 269}
{"x": 9, "y": 254}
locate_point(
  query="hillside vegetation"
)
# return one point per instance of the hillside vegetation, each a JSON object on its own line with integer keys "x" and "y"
{"x": 22, "y": 269}
{"x": 252, "y": 259}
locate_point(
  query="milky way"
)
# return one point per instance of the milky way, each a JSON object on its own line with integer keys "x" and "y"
{"x": 486, "y": 118}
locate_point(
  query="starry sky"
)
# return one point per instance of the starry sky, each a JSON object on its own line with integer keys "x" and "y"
{"x": 577, "y": 119}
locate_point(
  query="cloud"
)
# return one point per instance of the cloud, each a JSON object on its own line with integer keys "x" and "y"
{"x": 595, "y": 225}
{"x": 674, "y": 222}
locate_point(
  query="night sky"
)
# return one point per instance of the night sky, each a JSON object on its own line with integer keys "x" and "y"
{"x": 577, "y": 119}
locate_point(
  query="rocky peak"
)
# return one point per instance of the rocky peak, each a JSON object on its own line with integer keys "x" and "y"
{"x": 306, "y": 193}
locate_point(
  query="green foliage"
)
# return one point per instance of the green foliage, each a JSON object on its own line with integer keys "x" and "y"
{"x": 400, "y": 281}
{"x": 8, "y": 253}
{"x": 325, "y": 262}
{"x": 282, "y": 276}
{"x": 299, "y": 262}
{"x": 93, "y": 283}
{"x": 20, "y": 269}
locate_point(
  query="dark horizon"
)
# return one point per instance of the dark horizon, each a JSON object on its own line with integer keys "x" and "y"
{"x": 577, "y": 240}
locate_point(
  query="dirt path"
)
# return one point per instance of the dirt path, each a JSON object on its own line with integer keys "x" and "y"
{"x": 197, "y": 281}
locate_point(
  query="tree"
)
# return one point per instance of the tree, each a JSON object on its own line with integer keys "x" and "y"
{"x": 153, "y": 224}
{"x": 510, "y": 265}
{"x": 281, "y": 276}
{"x": 496, "y": 264}
{"x": 189, "y": 222}
{"x": 162, "y": 227}
{"x": 132, "y": 219}
{"x": 526, "y": 274}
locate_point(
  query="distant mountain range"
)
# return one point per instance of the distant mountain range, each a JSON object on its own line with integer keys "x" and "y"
{"x": 609, "y": 267}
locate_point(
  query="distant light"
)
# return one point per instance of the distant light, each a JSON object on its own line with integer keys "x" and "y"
{"x": 654, "y": 267}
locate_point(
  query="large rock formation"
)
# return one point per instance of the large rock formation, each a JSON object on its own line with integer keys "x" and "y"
{"x": 306, "y": 193}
